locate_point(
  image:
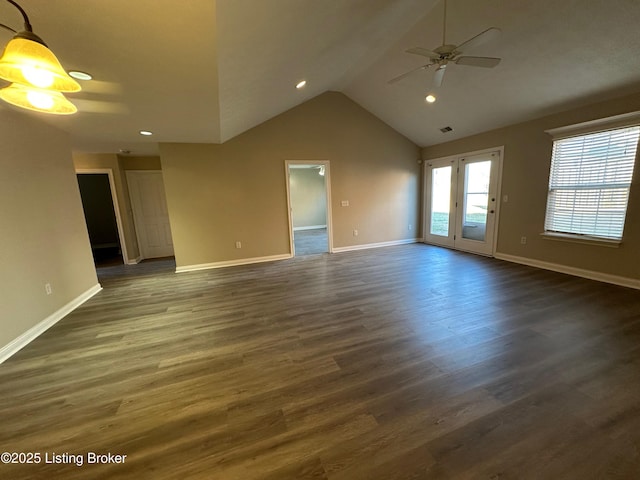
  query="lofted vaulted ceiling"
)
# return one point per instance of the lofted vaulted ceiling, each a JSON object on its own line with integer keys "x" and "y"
{"x": 205, "y": 71}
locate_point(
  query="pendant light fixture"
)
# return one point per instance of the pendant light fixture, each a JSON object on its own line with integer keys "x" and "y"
{"x": 37, "y": 99}
{"x": 35, "y": 73}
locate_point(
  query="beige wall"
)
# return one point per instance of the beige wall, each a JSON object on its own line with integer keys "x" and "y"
{"x": 236, "y": 191}
{"x": 128, "y": 162}
{"x": 308, "y": 197}
{"x": 43, "y": 236}
{"x": 525, "y": 180}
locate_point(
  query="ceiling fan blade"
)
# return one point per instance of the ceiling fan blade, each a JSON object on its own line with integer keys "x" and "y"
{"x": 488, "y": 34}
{"x": 438, "y": 76}
{"x": 400, "y": 77}
{"x": 423, "y": 51}
{"x": 485, "y": 62}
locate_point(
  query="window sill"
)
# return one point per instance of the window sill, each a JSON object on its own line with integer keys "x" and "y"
{"x": 584, "y": 239}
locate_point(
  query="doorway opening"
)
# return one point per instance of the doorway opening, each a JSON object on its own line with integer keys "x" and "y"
{"x": 97, "y": 192}
{"x": 462, "y": 200}
{"x": 308, "y": 196}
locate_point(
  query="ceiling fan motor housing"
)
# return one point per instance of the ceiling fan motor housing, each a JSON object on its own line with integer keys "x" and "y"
{"x": 446, "y": 51}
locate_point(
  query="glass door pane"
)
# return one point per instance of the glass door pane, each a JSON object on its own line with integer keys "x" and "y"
{"x": 440, "y": 201}
{"x": 476, "y": 200}
{"x": 461, "y": 202}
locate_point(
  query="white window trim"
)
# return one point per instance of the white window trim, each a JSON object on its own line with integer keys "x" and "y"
{"x": 630, "y": 119}
{"x": 584, "y": 239}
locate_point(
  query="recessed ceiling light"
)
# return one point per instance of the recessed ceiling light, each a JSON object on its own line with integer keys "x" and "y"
{"x": 146, "y": 132}
{"x": 301, "y": 84}
{"x": 80, "y": 75}
{"x": 430, "y": 98}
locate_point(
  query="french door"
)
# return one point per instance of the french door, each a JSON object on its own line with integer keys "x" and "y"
{"x": 462, "y": 202}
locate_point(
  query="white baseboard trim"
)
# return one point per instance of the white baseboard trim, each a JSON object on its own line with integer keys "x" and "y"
{"x": 135, "y": 261}
{"x": 366, "y": 246}
{"x": 232, "y": 263}
{"x": 578, "y": 272}
{"x": 27, "y": 337}
{"x": 310, "y": 227}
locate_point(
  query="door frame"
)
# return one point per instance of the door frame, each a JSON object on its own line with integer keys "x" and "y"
{"x": 136, "y": 220}
{"x": 116, "y": 206}
{"x": 327, "y": 186}
{"x": 456, "y": 158}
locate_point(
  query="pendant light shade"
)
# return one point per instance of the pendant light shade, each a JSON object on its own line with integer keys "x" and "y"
{"x": 29, "y": 62}
{"x": 36, "y": 76}
{"x": 38, "y": 100}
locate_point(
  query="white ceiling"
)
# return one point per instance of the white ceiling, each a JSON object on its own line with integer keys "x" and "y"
{"x": 206, "y": 71}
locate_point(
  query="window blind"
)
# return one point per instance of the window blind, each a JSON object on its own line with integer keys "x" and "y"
{"x": 589, "y": 183}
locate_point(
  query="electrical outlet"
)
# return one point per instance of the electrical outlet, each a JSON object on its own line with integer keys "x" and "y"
{"x": 505, "y": 198}
{"x": 238, "y": 244}
{"x": 344, "y": 203}
{"x": 523, "y": 240}
{"x": 355, "y": 233}
{"x": 409, "y": 227}
{"x": 47, "y": 288}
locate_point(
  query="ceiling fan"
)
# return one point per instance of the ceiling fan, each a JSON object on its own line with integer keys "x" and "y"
{"x": 446, "y": 53}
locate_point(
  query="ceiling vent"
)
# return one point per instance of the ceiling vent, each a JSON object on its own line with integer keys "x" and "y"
{"x": 446, "y": 129}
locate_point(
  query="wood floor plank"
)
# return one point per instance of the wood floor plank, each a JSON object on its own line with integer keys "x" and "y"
{"x": 408, "y": 362}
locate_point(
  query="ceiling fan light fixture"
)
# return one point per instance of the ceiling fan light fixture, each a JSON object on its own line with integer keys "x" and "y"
{"x": 446, "y": 52}
{"x": 37, "y": 100}
{"x": 29, "y": 62}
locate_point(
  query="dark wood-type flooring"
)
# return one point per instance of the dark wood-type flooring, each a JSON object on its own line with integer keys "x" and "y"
{"x": 409, "y": 362}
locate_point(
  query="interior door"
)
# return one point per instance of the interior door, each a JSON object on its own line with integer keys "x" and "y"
{"x": 462, "y": 202}
{"x": 150, "y": 213}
